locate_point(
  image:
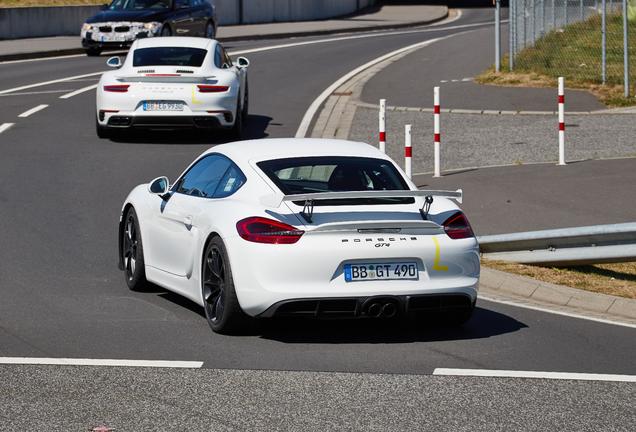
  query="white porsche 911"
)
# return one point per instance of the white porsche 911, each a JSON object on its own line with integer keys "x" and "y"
{"x": 173, "y": 82}
{"x": 300, "y": 227}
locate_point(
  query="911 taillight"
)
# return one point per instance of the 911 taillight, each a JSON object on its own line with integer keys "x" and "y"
{"x": 263, "y": 230}
{"x": 457, "y": 227}
{"x": 117, "y": 88}
{"x": 205, "y": 88}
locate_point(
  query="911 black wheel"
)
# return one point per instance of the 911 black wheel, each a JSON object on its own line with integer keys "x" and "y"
{"x": 132, "y": 252}
{"x": 222, "y": 309}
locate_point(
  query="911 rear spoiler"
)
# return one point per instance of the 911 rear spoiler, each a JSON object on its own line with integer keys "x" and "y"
{"x": 310, "y": 198}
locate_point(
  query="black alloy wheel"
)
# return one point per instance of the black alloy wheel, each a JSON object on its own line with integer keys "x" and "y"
{"x": 237, "y": 129}
{"x": 132, "y": 252}
{"x": 102, "y": 131}
{"x": 222, "y": 309}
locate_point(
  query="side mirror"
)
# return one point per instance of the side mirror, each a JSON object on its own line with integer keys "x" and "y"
{"x": 159, "y": 186}
{"x": 242, "y": 62}
{"x": 114, "y": 62}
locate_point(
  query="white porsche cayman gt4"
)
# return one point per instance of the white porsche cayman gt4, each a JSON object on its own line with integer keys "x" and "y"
{"x": 300, "y": 227}
{"x": 172, "y": 83}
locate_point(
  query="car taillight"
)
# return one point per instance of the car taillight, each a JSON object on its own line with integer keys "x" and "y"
{"x": 204, "y": 88}
{"x": 263, "y": 230}
{"x": 117, "y": 88}
{"x": 457, "y": 226}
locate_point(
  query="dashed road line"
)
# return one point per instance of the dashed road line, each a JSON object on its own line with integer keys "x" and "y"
{"x": 36, "y": 92}
{"x": 78, "y": 91}
{"x": 100, "y": 362}
{"x": 5, "y": 126}
{"x": 33, "y": 110}
{"x": 534, "y": 374}
{"x": 43, "y": 83}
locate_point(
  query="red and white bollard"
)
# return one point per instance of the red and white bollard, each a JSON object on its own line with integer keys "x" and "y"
{"x": 408, "y": 151}
{"x": 561, "y": 121}
{"x": 383, "y": 125}
{"x": 436, "y": 127}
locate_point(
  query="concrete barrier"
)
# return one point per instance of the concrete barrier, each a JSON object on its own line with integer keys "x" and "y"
{"x": 29, "y": 22}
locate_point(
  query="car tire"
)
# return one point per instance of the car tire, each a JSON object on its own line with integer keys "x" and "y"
{"x": 93, "y": 52}
{"x": 166, "y": 30}
{"x": 237, "y": 129}
{"x": 102, "y": 131}
{"x": 222, "y": 309}
{"x": 210, "y": 30}
{"x": 132, "y": 253}
{"x": 246, "y": 102}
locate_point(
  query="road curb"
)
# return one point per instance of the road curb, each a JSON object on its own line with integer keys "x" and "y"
{"x": 490, "y": 112}
{"x": 286, "y": 35}
{"x": 576, "y": 300}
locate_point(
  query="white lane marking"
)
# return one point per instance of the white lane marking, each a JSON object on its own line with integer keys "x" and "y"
{"x": 555, "y": 312}
{"x": 364, "y": 36}
{"x": 5, "y": 126}
{"x": 317, "y": 103}
{"x": 43, "y": 83}
{"x": 78, "y": 91}
{"x": 534, "y": 374}
{"x": 467, "y": 79}
{"x": 33, "y": 110}
{"x": 36, "y": 93}
{"x": 100, "y": 362}
{"x": 443, "y": 81}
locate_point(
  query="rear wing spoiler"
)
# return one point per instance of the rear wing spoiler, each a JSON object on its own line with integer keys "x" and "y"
{"x": 428, "y": 195}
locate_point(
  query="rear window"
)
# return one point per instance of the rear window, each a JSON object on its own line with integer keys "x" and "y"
{"x": 169, "y": 56}
{"x": 336, "y": 174}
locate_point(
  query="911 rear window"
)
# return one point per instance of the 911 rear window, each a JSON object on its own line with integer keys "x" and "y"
{"x": 169, "y": 56}
{"x": 336, "y": 174}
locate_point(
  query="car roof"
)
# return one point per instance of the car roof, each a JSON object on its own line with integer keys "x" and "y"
{"x": 243, "y": 152}
{"x": 176, "y": 41}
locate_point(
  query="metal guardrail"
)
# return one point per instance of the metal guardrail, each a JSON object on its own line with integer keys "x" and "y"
{"x": 568, "y": 246}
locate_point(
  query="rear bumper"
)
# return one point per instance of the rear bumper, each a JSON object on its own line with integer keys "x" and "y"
{"x": 371, "y": 307}
{"x": 164, "y": 122}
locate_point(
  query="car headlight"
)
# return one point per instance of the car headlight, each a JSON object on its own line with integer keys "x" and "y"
{"x": 152, "y": 26}
{"x": 86, "y": 27}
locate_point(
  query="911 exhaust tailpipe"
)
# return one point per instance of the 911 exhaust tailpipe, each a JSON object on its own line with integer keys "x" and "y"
{"x": 374, "y": 310}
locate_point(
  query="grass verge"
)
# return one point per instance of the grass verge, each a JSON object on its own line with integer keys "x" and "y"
{"x": 34, "y": 3}
{"x": 613, "y": 279}
{"x": 574, "y": 52}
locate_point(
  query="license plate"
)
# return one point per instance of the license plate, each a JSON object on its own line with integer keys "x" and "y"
{"x": 381, "y": 271}
{"x": 163, "y": 106}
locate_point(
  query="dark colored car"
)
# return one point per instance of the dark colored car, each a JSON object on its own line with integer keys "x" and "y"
{"x": 123, "y": 21}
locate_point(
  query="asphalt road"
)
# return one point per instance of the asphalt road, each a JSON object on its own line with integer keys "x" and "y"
{"x": 64, "y": 297}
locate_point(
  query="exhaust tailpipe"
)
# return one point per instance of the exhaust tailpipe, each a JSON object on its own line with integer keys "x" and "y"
{"x": 374, "y": 310}
{"x": 389, "y": 310}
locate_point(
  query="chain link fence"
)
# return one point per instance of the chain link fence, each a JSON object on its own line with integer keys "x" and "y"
{"x": 582, "y": 40}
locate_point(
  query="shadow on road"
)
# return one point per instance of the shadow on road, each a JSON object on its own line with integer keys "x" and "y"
{"x": 484, "y": 323}
{"x": 255, "y": 128}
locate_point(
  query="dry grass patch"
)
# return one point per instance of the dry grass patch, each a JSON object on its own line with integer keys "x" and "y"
{"x": 33, "y": 3}
{"x": 613, "y": 279}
